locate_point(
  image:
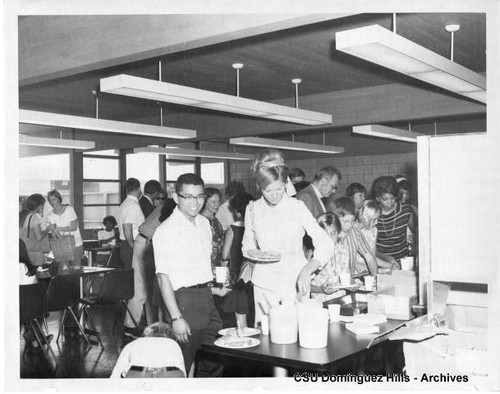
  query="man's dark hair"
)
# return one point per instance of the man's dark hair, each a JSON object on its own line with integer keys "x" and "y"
{"x": 295, "y": 172}
{"x": 327, "y": 172}
{"x": 131, "y": 185}
{"x": 344, "y": 206}
{"x": 188, "y": 179}
{"x": 234, "y": 187}
{"x": 152, "y": 187}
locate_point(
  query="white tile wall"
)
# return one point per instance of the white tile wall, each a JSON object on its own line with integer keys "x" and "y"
{"x": 361, "y": 169}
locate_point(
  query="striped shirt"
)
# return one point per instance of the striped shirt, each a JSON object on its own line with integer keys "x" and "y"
{"x": 392, "y": 229}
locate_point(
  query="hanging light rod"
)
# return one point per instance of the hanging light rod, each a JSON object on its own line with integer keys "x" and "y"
{"x": 149, "y": 89}
{"x": 111, "y": 126}
{"x": 385, "y": 48}
{"x": 376, "y": 130}
{"x": 170, "y": 152}
{"x": 55, "y": 142}
{"x": 285, "y": 145}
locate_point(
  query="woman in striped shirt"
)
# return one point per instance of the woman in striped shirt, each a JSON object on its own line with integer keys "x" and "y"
{"x": 395, "y": 220}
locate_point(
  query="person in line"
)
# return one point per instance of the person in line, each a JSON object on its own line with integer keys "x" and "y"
{"x": 33, "y": 231}
{"x": 64, "y": 217}
{"x": 182, "y": 251}
{"x": 209, "y": 210}
{"x": 325, "y": 283}
{"x": 394, "y": 222}
{"x": 296, "y": 175}
{"x": 357, "y": 192}
{"x": 130, "y": 217}
{"x": 223, "y": 214}
{"x": 324, "y": 184}
{"x": 276, "y": 223}
{"x": 367, "y": 219}
{"x": 152, "y": 189}
{"x": 240, "y": 300}
{"x": 351, "y": 238}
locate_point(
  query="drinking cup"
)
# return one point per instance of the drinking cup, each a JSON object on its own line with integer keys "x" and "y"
{"x": 221, "y": 274}
{"x": 334, "y": 312}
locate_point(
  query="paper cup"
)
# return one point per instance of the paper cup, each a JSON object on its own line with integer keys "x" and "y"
{"x": 345, "y": 279}
{"x": 334, "y": 312}
{"x": 407, "y": 263}
{"x": 221, "y": 274}
{"x": 370, "y": 282}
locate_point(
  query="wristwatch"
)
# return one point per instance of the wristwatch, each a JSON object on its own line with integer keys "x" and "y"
{"x": 177, "y": 318}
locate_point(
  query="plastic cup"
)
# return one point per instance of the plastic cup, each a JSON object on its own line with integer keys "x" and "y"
{"x": 407, "y": 263}
{"x": 370, "y": 282}
{"x": 345, "y": 279}
{"x": 221, "y": 274}
{"x": 334, "y": 312}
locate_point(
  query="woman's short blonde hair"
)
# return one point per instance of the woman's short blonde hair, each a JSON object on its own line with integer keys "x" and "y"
{"x": 368, "y": 210}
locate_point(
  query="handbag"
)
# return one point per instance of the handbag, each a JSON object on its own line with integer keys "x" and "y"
{"x": 34, "y": 247}
{"x": 63, "y": 248}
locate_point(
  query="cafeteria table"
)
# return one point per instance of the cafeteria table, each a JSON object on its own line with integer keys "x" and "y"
{"x": 342, "y": 344}
{"x": 91, "y": 247}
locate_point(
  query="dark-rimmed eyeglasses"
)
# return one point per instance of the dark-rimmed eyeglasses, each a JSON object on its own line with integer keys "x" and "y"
{"x": 189, "y": 198}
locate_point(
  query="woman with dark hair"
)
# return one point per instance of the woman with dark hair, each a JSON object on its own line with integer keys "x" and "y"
{"x": 32, "y": 230}
{"x": 276, "y": 224}
{"x": 394, "y": 222}
{"x": 65, "y": 218}
{"x": 212, "y": 204}
{"x": 239, "y": 300}
{"x": 357, "y": 192}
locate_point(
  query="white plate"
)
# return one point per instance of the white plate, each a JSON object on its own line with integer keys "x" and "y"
{"x": 236, "y": 342}
{"x": 245, "y": 332}
{"x": 259, "y": 256}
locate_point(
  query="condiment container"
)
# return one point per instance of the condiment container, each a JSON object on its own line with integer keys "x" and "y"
{"x": 283, "y": 324}
{"x": 313, "y": 326}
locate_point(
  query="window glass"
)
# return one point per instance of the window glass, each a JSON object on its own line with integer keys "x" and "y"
{"x": 143, "y": 166}
{"x": 101, "y": 193}
{"x": 93, "y": 215}
{"x": 97, "y": 168}
{"x": 174, "y": 169}
{"x": 39, "y": 174}
{"x": 212, "y": 173}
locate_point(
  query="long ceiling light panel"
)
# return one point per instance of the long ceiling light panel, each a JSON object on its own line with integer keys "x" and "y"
{"x": 111, "y": 126}
{"x": 385, "y": 48}
{"x": 179, "y": 152}
{"x": 55, "y": 142}
{"x": 285, "y": 145}
{"x": 375, "y": 130}
{"x": 150, "y": 89}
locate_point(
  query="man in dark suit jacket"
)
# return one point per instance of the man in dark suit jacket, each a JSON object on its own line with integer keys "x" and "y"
{"x": 152, "y": 189}
{"x": 325, "y": 183}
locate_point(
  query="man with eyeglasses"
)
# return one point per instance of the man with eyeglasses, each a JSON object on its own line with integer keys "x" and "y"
{"x": 325, "y": 183}
{"x": 182, "y": 248}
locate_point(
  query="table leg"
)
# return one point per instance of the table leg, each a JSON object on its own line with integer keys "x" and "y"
{"x": 280, "y": 372}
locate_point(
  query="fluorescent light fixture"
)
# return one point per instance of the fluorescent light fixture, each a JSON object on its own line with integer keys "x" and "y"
{"x": 376, "y": 130}
{"x": 170, "y": 152}
{"x": 150, "y": 89}
{"x": 385, "y": 48}
{"x": 110, "y": 126}
{"x": 55, "y": 142}
{"x": 285, "y": 145}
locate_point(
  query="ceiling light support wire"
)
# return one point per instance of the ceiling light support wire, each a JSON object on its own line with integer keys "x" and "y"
{"x": 394, "y": 22}
{"x": 452, "y": 29}
{"x": 237, "y": 67}
{"x": 95, "y": 92}
{"x": 296, "y": 82}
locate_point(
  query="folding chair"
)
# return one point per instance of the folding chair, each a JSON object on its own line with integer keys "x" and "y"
{"x": 63, "y": 294}
{"x": 117, "y": 288}
{"x": 31, "y": 310}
